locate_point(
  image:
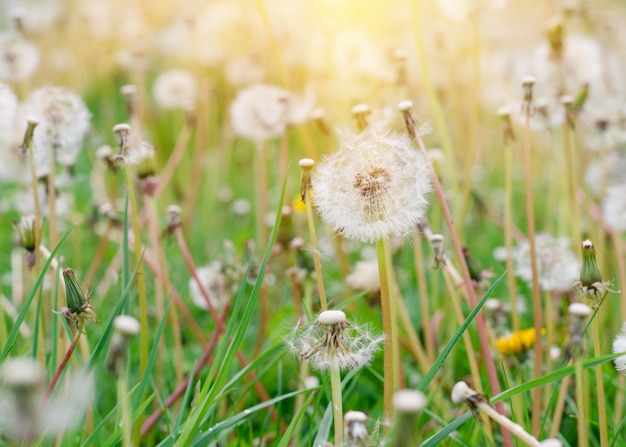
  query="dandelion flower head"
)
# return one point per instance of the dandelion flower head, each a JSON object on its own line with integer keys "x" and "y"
{"x": 19, "y": 57}
{"x": 334, "y": 342}
{"x": 260, "y": 112}
{"x": 175, "y": 89}
{"x": 215, "y": 284}
{"x": 375, "y": 187}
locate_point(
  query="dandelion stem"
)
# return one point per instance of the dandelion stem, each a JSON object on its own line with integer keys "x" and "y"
{"x": 316, "y": 252}
{"x": 602, "y": 422}
{"x": 388, "y": 329}
{"x": 141, "y": 284}
{"x": 508, "y": 235}
{"x": 580, "y": 402}
{"x": 123, "y": 399}
{"x": 174, "y": 159}
{"x": 64, "y": 361}
{"x": 504, "y": 421}
{"x": 537, "y": 309}
{"x": 418, "y": 256}
{"x": 335, "y": 387}
{"x": 560, "y": 406}
{"x": 618, "y": 244}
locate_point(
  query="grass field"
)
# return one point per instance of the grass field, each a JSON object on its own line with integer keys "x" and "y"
{"x": 312, "y": 223}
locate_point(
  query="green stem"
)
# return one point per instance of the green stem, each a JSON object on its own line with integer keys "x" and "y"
{"x": 63, "y": 364}
{"x": 335, "y": 386}
{"x": 388, "y": 329}
{"x": 580, "y": 403}
{"x": 141, "y": 284}
{"x": 123, "y": 399}
{"x": 508, "y": 235}
{"x": 316, "y": 252}
{"x": 602, "y": 422}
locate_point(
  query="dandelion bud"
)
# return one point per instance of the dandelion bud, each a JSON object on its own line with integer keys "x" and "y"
{"x": 125, "y": 328}
{"x": 129, "y": 93}
{"x": 173, "y": 213}
{"x": 590, "y": 273}
{"x": 360, "y": 112}
{"x": 123, "y": 137}
{"x": 31, "y": 123}
{"x": 355, "y": 429}
{"x": 408, "y": 404}
{"x": 527, "y": 85}
{"x": 439, "y": 257}
{"x": 318, "y": 115}
{"x": 306, "y": 164}
{"x": 461, "y": 392}
{"x": 25, "y": 228}
{"x": 406, "y": 108}
{"x": 78, "y": 309}
{"x": 579, "y": 313}
{"x": 504, "y": 113}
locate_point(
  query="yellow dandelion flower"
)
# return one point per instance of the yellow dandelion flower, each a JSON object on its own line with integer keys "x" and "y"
{"x": 518, "y": 342}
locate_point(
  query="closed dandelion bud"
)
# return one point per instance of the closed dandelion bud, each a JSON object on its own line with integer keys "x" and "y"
{"x": 78, "y": 309}
{"x": 355, "y": 430}
{"x": 31, "y": 123}
{"x": 527, "y": 85}
{"x": 125, "y": 328}
{"x": 306, "y": 165}
{"x": 360, "y": 112}
{"x": 173, "y": 213}
{"x": 579, "y": 312}
{"x": 590, "y": 272}
{"x": 408, "y": 404}
{"x": 25, "y": 228}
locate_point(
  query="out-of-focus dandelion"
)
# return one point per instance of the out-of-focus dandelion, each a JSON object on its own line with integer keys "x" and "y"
{"x": 517, "y": 343}
{"x": 619, "y": 346}
{"x": 575, "y": 344}
{"x": 557, "y": 265}
{"x": 214, "y": 282}
{"x": 63, "y": 122}
{"x": 25, "y": 228}
{"x": 408, "y": 404}
{"x": 355, "y": 432}
{"x": 175, "y": 89}
{"x": 260, "y": 112}
{"x": 375, "y": 187}
{"x": 614, "y": 207}
{"x": 19, "y": 57}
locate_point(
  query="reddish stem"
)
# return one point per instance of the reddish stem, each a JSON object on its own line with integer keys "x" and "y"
{"x": 61, "y": 367}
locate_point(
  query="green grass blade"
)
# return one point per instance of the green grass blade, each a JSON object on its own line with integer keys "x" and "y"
{"x": 284, "y": 442}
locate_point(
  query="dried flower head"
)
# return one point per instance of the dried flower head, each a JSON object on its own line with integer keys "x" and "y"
{"x": 557, "y": 265}
{"x": 619, "y": 346}
{"x": 63, "y": 122}
{"x": 375, "y": 187}
{"x": 333, "y": 342}
{"x": 591, "y": 283}
{"x": 175, "y": 89}
{"x": 19, "y": 57}
{"x": 260, "y": 112}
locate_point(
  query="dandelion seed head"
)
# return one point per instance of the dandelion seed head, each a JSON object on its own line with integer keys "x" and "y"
{"x": 619, "y": 345}
{"x": 175, "y": 89}
{"x": 580, "y": 310}
{"x": 126, "y": 325}
{"x": 557, "y": 265}
{"x": 19, "y": 57}
{"x": 365, "y": 276}
{"x": 334, "y": 342}
{"x": 375, "y": 187}
{"x": 63, "y": 123}
{"x": 260, "y": 112}
{"x": 614, "y": 207}
{"x": 214, "y": 282}
{"x": 355, "y": 428}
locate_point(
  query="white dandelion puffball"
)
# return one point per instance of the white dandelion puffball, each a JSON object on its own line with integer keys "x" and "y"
{"x": 614, "y": 207}
{"x": 260, "y": 112}
{"x": 619, "y": 345}
{"x": 365, "y": 276}
{"x": 175, "y": 89}
{"x": 19, "y": 57}
{"x": 557, "y": 265}
{"x": 375, "y": 187}
{"x": 63, "y": 122}
{"x": 214, "y": 283}
{"x": 12, "y": 162}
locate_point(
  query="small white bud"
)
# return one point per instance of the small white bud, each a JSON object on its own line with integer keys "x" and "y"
{"x": 409, "y": 401}
{"x": 331, "y": 317}
{"x": 405, "y": 105}
{"x": 579, "y": 310}
{"x": 461, "y": 392}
